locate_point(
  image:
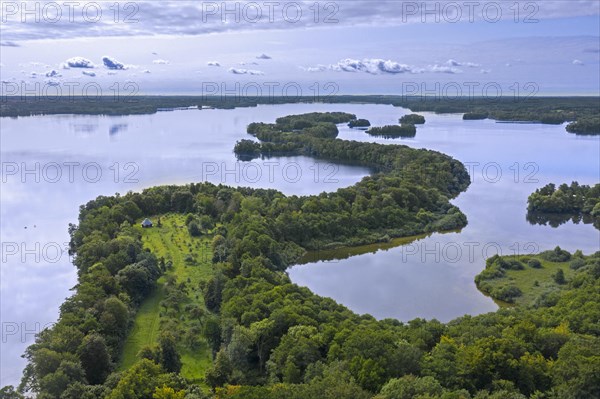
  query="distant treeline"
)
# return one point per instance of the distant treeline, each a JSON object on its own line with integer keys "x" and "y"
{"x": 583, "y": 111}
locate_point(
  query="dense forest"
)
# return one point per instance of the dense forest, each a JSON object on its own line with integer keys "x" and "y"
{"x": 581, "y": 111}
{"x": 554, "y": 206}
{"x": 269, "y": 338}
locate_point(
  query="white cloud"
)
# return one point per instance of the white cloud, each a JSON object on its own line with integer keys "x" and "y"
{"x": 443, "y": 69}
{"x": 161, "y": 62}
{"x": 486, "y": 71}
{"x": 86, "y": 73}
{"x": 454, "y": 63}
{"x": 241, "y": 71}
{"x": 146, "y": 71}
{"x": 213, "y": 63}
{"x": 78, "y": 62}
{"x": 377, "y": 66}
{"x": 264, "y": 57}
{"x": 374, "y": 66}
{"x": 578, "y": 62}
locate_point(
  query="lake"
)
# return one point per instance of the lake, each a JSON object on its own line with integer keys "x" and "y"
{"x": 53, "y": 164}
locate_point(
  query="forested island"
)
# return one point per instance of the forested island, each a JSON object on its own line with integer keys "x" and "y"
{"x": 412, "y": 119}
{"x": 581, "y": 112}
{"x": 393, "y": 131}
{"x": 360, "y": 123}
{"x": 557, "y": 205}
{"x": 199, "y": 306}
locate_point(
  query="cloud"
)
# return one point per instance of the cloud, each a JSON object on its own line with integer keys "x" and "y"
{"x": 78, "y": 62}
{"x": 146, "y": 71}
{"x": 161, "y": 62}
{"x": 113, "y": 64}
{"x": 592, "y": 50}
{"x": 486, "y": 71}
{"x": 8, "y": 43}
{"x": 241, "y": 71}
{"x": 377, "y": 66}
{"x": 454, "y": 63}
{"x": 248, "y": 63}
{"x": 374, "y": 66}
{"x": 53, "y": 74}
{"x": 264, "y": 57}
{"x": 213, "y": 63}
{"x": 578, "y": 62}
{"x": 86, "y": 73}
{"x": 443, "y": 69}
{"x": 176, "y": 18}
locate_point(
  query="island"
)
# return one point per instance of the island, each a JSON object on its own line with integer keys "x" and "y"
{"x": 360, "y": 123}
{"x": 393, "y": 131}
{"x": 412, "y": 119}
{"x": 557, "y": 205}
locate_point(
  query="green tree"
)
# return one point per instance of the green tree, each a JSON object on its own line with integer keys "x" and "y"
{"x": 95, "y": 358}
{"x": 169, "y": 356}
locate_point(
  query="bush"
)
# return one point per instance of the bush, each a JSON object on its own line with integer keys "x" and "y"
{"x": 194, "y": 229}
{"x": 534, "y": 263}
{"x": 556, "y": 255}
{"x": 507, "y": 293}
{"x": 577, "y": 264}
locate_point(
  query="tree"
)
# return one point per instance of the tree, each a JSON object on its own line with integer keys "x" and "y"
{"x": 8, "y": 392}
{"x": 577, "y": 369}
{"x": 409, "y": 387}
{"x": 559, "y": 277}
{"x": 166, "y": 392}
{"x": 212, "y": 332}
{"x": 95, "y": 359}
{"x": 194, "y": 229}
{"x": 140, "y": 381}
{"x": 221, "y": 371}
{"x": 170, "y": 358}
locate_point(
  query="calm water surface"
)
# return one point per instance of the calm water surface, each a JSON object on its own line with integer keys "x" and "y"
{"x": 53, "y": 164}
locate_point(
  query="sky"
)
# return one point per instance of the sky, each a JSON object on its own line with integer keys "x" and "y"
{"x": 436, "y": 48}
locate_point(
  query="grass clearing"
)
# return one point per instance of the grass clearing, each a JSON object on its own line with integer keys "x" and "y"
{"x": 191, "y": 259}
{"x": 532, "y": 282}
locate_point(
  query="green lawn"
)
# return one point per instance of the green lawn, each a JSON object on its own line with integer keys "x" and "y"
{"x": 172, "y": 242}
{"x": 532, "y": 282}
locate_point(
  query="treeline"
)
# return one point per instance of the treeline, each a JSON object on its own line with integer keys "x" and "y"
{"x": 588, "y": 125}
{"x": 583, "y": 111}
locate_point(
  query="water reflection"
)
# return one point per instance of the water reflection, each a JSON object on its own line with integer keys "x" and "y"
{"x": 557, "y": 219}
